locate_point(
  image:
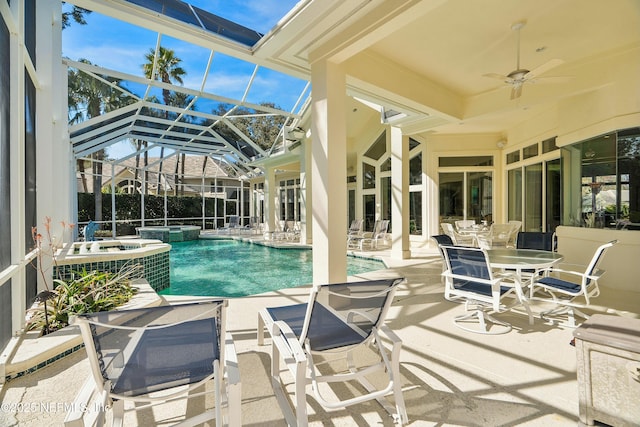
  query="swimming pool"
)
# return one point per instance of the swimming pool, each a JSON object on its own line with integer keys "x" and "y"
{"x": 231, "y": 268}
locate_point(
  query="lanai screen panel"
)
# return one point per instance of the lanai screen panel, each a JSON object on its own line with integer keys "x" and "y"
{"x": 193, "y": 15}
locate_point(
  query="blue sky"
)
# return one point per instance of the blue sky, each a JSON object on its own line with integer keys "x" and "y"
{"x": 116, "y": 45}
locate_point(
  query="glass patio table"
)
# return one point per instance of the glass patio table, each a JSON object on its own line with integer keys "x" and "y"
{"x": 515, "y": 262}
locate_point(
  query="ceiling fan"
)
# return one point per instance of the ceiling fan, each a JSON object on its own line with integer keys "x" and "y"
{"x": 518, "y": 77}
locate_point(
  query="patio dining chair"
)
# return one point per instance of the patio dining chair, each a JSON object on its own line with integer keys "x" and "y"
{"x": 542, "y": 241}
{"x": 499, "y": 235}
{"x": 465, "y": 223}
{"x": 310, "y": 337}
{"x": 442, "y": 240}
{"x": 155, "y": 355}
{"x": 569, "y": 287}
{"x": 458, "y": 238}
{"x": 469, "y": 278}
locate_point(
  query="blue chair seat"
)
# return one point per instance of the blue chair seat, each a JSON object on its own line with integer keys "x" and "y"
{"x": 560, "y": 284}
{"x": 326, "y": 330}
{"x": 478, "y": 288}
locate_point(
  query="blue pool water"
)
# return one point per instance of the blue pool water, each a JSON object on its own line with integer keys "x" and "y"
{"x": 229, "y": 268}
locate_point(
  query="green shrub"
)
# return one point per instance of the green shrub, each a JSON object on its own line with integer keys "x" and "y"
{"x": 86, "y": 292}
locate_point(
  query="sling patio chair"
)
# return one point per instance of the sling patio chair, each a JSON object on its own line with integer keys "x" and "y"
{"x": 543, "y": 241}
{"x": 569, "y": 287}
{"x": 155, "y": 355}
{"x": 311, "y": 337}
{"x": 469, "y": 278}
{"x": 443, "y": 240}
{"x": 355, "y": 229}
{"x": 377, "y": 237}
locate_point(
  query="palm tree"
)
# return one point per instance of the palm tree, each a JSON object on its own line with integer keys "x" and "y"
{"x": 89, "y": 97}
{"x": 167, "y": 70}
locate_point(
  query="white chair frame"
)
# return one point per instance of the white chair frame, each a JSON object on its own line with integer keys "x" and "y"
{"x": 97, "y": 395}
{"x": 564, "y": 297}
{"x": 298, "y": 356}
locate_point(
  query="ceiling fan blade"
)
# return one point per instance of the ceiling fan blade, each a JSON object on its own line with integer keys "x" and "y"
{"x": 497, "y": 76}
{"x": 550, "y": 79}
{"x": 543, "y": 68}
{"x": 516, "y": 91}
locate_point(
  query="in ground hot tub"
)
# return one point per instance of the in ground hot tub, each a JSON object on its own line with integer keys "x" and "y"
{"x": 173, "y": 233}
{"x": 112, "y": 255}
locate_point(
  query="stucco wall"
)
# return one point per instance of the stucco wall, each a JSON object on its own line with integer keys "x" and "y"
{"x": 621, "y": 262}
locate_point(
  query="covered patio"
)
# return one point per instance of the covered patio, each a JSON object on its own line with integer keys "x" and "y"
{"x": 396, "y": 114}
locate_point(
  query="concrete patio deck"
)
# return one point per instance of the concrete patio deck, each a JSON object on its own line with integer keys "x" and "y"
{"x": 450, "y": 377}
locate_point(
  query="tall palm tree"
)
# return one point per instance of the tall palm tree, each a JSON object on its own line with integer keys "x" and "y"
{"x": 89, "y": 97}
{"x": 167, "y": 70}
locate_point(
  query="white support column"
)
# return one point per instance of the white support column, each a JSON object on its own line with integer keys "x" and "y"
{"x": 113, "y": 201}
{"x": 142, "y": 194}
{"x": 17, "y": 178}
{"x": 53, "y": 151}
{"x": 204, "y": 206}
{"x": 400, "y": 246}
{"x": 165, "y": 205}
{"x": 329, "y": 172}
{"x": 306, "y": 235}
{"x": 270, "y": 199}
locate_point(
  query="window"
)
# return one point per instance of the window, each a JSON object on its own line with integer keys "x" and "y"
{"x": 514, "y": 197}
{"x": 369, "y": 211}
{"x": 533, "y": 197}
{"x": 466, "y": 195}
{"x": 549, "y": 145}
{"x": 415, "y": 194}
{"x": 415, "y": 170}
{"x": 369, "y": 175}
{"x": 289, "y": 197}
{"x": 378, "y": 148}
{"x": 530, "y": 151}
{"x": 513, "y": 157}
{"x": 604, "y": 188}
{"x": 466, "y": 161}
{"x": 385, "y": 195}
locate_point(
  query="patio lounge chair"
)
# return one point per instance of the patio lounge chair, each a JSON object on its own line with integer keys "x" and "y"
{"x": 376, "y": 238}
{"x": 568, "y": 288}
{"x": 469, "y": 278}
{"x": 338, "y": 319}
{"x": 355, "y": 229}
{"x": 354, "y": 234}
{"x": 155, "y": 355}
{"x": 288, "y": 231}
{"x": 233, "y": 226}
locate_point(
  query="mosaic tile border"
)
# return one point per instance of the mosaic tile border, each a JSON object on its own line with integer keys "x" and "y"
{"x": 43, "y": 364}
{"x": 155, "y": 268}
